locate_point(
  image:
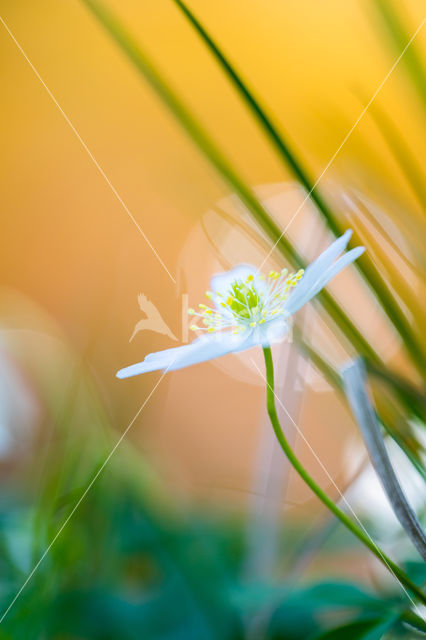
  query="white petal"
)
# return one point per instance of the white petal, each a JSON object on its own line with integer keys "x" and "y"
{"x": 221, "y": 282}
{"x": 215, "y": 346}
{"x": 205, "y": 348}
{"x": 337, "y": 267}
{"x": 294, "y": 303}
{"x": 315, "y": 270}
{"x": 275, "y": 331}
{"x": 327, "y": 257}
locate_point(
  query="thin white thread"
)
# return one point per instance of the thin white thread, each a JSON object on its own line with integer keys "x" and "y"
{"x": 344, "y": 140}
{"x": 90, "y": 154}
{"x": 90, "y": 485}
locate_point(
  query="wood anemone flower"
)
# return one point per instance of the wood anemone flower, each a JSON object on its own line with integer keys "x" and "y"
{"x": 248, "y": 309}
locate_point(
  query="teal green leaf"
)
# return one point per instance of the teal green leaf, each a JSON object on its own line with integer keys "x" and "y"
{"x": 360, "y": 630}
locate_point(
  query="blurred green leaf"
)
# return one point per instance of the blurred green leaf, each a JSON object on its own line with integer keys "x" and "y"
{"x": 416, "y": 571}
{"x": 414, "y": 621}
{"x": 408, "y": 163}
{"x": 360, "y": 630}
{"x": 301, "y": 607}
{"x": 341, "y": 594}
{"x": 398, "y": 36}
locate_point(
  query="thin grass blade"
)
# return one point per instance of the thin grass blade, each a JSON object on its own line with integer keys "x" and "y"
{"x": 408, "y": 163}
{"x": 408, "y": 445}
{"x": 354, "y": 380}
{"x": 398, "y": 36}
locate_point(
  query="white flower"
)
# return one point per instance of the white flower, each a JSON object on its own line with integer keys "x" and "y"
{"x": 249, "y": 309}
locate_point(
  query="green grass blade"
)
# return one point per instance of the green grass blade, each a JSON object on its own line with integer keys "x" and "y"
{"x": 276, "y": 137}
{"x": 364, "y": 264}
{"x": 333, "y": 378}
{"x": 414, "y": 395}
{"x": 414, "y": 620}
{"x": 407, "y": 162}
{"x": 355, "y": 383}
{"x": 393, "y": 311}
{"x": 147, "y": 69}
{"x": 398, "y": 36}
{"x": 404, "y": 442}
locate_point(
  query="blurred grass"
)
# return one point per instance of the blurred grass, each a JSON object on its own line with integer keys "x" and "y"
{"x": 403, "y": 155}
{"x": 130, "y": 564}
{"x": 398, "y": 36}
{"x": 388, "y": 414}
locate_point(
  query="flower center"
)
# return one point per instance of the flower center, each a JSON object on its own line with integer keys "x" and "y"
{"x": 246, "y": 304}
{"x": 244, "y": 301}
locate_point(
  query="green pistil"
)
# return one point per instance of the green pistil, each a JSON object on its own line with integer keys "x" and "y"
{"x": 243, "y": 300}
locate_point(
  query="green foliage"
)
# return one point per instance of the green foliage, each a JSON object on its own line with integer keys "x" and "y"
{"x": 127, "y": 564}
{"x": 360, "y": 630}
{"x": 121, "y": 570}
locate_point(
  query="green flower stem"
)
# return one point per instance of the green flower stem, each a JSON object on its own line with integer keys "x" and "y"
{"x": 344, "y": 519}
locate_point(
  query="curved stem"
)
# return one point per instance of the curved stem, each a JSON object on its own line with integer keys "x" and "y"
{"x": 344, "y": 519}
